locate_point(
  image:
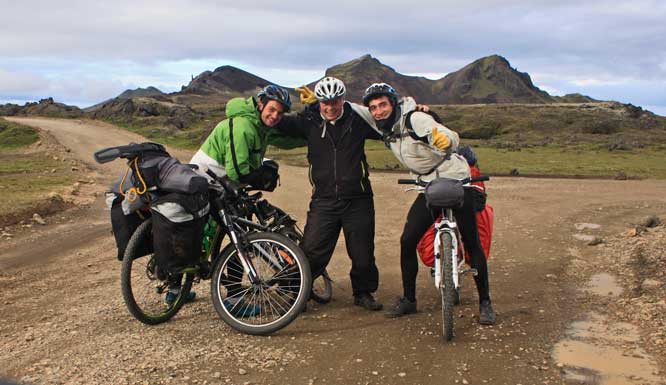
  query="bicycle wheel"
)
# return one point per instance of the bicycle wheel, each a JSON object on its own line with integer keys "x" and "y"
{"x": 277, "y": 298}
{"x": 446, "y": 286}
{"x": 143, "y": 292}
{"x": 322, "y": 286}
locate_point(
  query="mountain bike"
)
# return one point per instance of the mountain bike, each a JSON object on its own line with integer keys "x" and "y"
{"x": 449, "y": 253}
{"x": 260, "y": 281}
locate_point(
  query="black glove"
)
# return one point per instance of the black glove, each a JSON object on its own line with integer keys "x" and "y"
{"x": 264, "y": 178}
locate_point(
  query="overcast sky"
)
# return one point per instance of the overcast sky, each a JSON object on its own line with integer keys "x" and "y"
{"x": 83, "y": 52}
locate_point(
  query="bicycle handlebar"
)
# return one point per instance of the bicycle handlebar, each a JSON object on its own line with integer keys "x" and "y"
{"x": 408, "y": 181}
{"x": 129, "y": 151}
{"x": 107, "y": 155}
{"x": 419, "y": 182}
{"x": 482, "y": 178}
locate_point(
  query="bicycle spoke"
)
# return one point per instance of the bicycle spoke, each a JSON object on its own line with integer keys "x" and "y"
{"x": 280, "y": 305}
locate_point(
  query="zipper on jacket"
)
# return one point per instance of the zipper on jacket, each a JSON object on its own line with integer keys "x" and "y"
{"x": 362, "y": 175}
{"x": 335, "y": 169}
{"x": 310, "y": 175}
{"x": 314, "y": 188}
{"x": 335, "y": 160}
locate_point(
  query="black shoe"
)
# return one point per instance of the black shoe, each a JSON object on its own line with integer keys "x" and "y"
{"x": 367, "y": 301}
{"x": 402, "y": 307}
{"x": 486, "y": 313}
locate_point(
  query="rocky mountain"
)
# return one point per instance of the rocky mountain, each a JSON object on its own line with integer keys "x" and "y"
{"x": 128, "y": 94}
{"x": 227, "y": 80}
{"x": 140, "y": 93}
{"x": 359, "y": 73}
{"x": 146, "y": 111}
{"x": 487, "y": 80}
{"x": 45, "y": 107}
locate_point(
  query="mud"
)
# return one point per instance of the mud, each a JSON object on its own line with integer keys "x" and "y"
{"x": 64, "y": 321}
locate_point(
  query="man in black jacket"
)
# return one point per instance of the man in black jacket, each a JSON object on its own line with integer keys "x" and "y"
{"x": 341, "y": 191}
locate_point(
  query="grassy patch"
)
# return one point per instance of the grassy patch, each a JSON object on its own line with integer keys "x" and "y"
{"x": 26, "y": 179}
{"x": 584, "y": 160}
{"x": 566, "y": 124}
{"x": 574, "y": 161}
{"x": 14, "y": 135}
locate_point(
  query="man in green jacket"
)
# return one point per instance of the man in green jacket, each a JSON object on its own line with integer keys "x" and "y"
{"x": 237, "y": 145}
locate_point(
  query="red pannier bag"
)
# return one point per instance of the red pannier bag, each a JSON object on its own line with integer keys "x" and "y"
{"x": 484, "y": 221}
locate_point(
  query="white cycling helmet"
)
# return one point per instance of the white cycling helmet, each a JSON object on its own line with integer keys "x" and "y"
{"x": 329, "y": 88}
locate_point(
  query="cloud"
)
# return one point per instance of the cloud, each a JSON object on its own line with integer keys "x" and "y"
{"x": 90, "y": 48}
{"x": 17, "y": 83}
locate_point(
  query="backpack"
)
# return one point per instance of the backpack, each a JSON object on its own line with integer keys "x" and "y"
{"x": 410, "y": 129}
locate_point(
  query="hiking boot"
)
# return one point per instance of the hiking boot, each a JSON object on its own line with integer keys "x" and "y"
{"x": 240, "y": 308}
{"x": 366, "y": 300}
{"x": 486, "y": 313}
{"x": 171, "y": 296}
{"x": 402, "y": 307}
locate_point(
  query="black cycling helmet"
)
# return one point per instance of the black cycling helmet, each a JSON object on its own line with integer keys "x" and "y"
{"x": 380, "y": 89}
{"x": 468, "y": 154}
{"x": 273, "y": 92}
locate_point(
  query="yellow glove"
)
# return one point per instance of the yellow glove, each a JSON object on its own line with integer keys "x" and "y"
{"x": 307, "y": 96}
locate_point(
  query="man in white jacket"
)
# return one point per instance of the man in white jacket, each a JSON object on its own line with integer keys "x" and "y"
{"x": 427, "y": 148}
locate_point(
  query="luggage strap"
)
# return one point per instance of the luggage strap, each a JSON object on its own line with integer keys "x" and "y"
{"x": 134, "y": 192}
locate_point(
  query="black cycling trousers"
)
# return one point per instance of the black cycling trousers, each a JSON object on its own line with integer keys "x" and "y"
{"x": 419, "y": 219}
{"x": 356, "y": 218}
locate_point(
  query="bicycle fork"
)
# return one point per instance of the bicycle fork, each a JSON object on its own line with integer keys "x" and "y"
{"x": 445, "y": 226}
{"x": 248, "y": 267}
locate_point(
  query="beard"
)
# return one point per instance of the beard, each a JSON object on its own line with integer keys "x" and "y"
{"x": 386, "y": 125}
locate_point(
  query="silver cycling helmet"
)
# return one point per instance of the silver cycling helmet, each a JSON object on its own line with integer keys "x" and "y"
{"x": 380, "y": 89}
{"x": 329, "y": 88}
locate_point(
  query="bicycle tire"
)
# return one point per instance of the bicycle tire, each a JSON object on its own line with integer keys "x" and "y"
{"x": 266, "y": 307}
{"x": 447, "y": 288}
{"x": 144, "y": 300}
{"x": 322, "y": 286}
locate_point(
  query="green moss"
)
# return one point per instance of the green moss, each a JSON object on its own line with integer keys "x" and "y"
{"x": 14, "y": 135}
{"x": 27, "y": 179}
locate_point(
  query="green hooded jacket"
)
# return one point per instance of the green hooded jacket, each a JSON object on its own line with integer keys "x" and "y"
{"x": 241, "y": 150}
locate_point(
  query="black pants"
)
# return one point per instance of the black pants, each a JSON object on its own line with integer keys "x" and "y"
{"x": 419, "y": 219}
{"x": 356, "y": 218}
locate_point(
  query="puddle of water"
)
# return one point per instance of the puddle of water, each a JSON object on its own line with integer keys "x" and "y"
{"x": 597, "y": 351}
{"x": 605, "y": 365}
{"x": 584, "y": 237}
{"x": 604, "y": 285}
{"x": 586, "y": 226}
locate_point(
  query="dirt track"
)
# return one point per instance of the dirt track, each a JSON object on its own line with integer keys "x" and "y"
{"x": 63, "y": 319}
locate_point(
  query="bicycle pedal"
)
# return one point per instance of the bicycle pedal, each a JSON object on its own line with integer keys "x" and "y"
{"x": 474, "y": 272}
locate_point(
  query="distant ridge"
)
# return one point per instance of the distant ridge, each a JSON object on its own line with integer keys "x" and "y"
{"x": 224, "y": 80}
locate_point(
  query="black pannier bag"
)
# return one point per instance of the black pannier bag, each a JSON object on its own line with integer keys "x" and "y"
{"x": 444, "y": 193}
{"x": 178, "y": 223}
{"x": 154, "y": 177}
{"x": 124, "y": 225}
